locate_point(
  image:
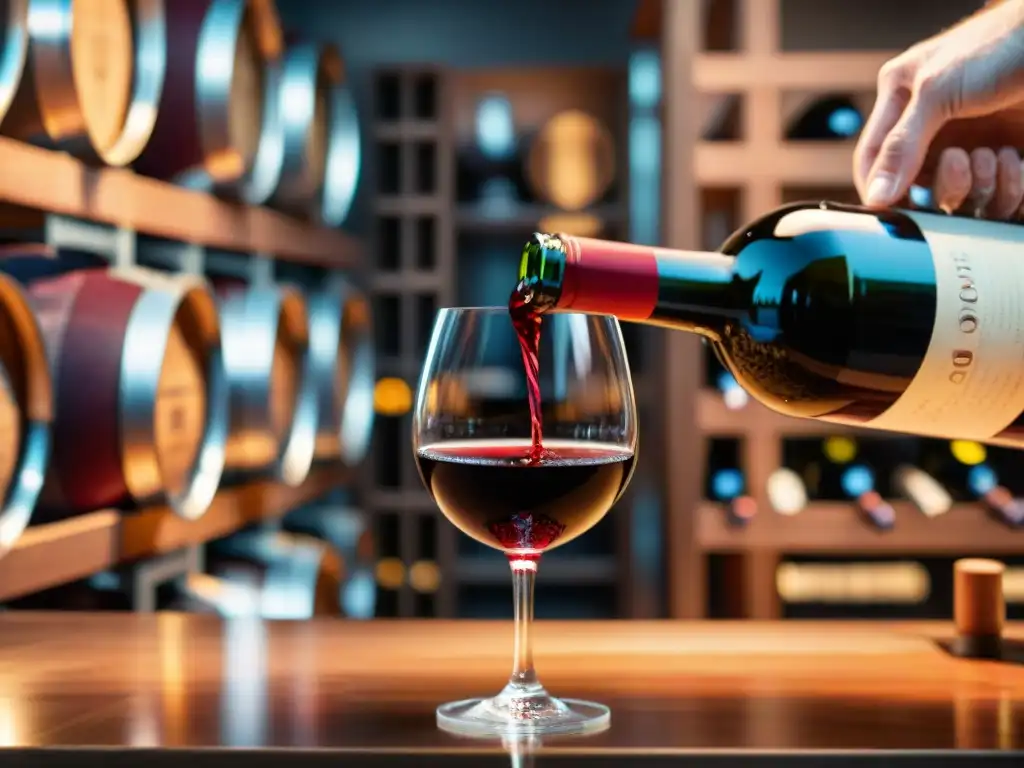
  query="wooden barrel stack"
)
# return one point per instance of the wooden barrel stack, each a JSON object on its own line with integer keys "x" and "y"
{"x": 273, "y": 399}
{"x": 126, "y": 387}
{"x": 143, "y": 83}
{"x": 139, "y": 391}
{"x": 137, "y": 383}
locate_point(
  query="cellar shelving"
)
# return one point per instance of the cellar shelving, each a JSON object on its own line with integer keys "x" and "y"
{"x": 411, "y": 274}
{"x": 760, "y": 166}
{"x": 736, "y": 163}
{"x": 825, "y": 527}
{"x": 737, "y": 72}
{"x": 57, "y": 553}
{"x": 716, "y": 419}
{"x": 54, "y": 182}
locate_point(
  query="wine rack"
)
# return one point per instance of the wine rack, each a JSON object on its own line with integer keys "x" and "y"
{"x": 412, "y": 275}
{"x": 720, "y": 176}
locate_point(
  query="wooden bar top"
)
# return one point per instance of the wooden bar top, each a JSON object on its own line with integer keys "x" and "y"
{"x": 331, "y": 687}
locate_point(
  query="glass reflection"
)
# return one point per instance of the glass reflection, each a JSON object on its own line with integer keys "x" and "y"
{"x": 243, "y": 706}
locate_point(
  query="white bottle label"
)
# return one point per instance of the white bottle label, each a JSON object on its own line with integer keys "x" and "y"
{"x": 971, "y": 382}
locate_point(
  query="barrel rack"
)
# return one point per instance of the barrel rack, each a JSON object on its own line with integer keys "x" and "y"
{"x": 109, "y": 212}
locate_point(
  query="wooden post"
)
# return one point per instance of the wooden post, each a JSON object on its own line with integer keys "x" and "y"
{"x": 683, "y": 443}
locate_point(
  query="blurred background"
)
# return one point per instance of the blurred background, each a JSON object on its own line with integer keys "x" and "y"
{"x": 281, "y": 197}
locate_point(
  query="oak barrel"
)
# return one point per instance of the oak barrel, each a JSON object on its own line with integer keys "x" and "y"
{"x": 273, "y": 400}
{"x": 93, "y": 77}
{"x": 321, "y": 135}
{"x": 349, "y": 533}
{"x": 270, "y": 574}
{"x": 26, "y": 412}
{"x": 13, "y": 50}
{"x": 218, "y": 127}
{"x": 140, "y": 391}
{"x": 343, "y": 364}
{"x": 343, "y": 158}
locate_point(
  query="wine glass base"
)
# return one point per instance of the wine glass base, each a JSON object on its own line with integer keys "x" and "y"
{"x": 535, "y": 714}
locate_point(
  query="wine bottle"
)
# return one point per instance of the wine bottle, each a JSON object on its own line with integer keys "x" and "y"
{"x": 786, "y": 492}
{"x": 831, "y": 118}
{"x": 897, "y": 320}
{"x": 922, "y": 488}
{"x": 899, "y": 467}
{"x": 819, "y": 464}
{"x": 972, "y": 475}
{"x": 858, "y": 482}
{"x": 726, "y": 483}
{"x": 924, "y": 491}
{"x": 728, "y": 488}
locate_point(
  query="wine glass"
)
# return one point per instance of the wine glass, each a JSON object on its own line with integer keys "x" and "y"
{"x": 473, "y": 444}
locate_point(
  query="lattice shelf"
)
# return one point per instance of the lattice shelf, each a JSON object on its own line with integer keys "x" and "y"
{"x": 763, "y": 170}
{"x": 827, "y": 527}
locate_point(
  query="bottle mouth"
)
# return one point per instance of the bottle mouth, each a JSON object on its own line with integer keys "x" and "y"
{"x": 542, "y": 270}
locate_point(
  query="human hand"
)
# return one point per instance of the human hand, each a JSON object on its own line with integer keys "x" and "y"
{"x": 950, "y": 115}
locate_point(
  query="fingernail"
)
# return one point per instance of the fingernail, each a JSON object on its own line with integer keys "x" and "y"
{"x": 881, "y": 190}
{"x": 980, "y": 201}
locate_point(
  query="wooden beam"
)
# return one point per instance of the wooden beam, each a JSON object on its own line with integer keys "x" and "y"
{"x": 72, "y": 549}
{"x": 683, "y": 443}
{"x": 832, "y": 71}
{"x": 55, "y": 182}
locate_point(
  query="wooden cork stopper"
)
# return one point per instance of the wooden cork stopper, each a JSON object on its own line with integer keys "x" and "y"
{"x": 979, "y": 608}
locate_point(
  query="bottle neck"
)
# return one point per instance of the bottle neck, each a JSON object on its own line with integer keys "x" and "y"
{"x": 687, "y": 290}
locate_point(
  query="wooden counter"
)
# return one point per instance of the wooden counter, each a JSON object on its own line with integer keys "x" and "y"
{"x": 327, "y": 688}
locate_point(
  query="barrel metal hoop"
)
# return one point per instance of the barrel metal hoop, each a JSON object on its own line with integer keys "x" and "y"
{"x": 34, "y": 451}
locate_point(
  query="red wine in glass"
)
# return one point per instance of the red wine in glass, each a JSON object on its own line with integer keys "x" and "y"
{"x": 527, "y": 323}
{"x": 495, "y": 492}
{"x": 515, "y": 488}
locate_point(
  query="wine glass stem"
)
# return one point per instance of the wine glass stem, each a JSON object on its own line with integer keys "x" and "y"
{"x": 524, "y": 574}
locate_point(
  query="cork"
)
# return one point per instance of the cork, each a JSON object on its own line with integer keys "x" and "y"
{"x": 979, "y": 608}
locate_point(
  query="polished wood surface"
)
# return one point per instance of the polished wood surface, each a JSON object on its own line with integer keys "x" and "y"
{"x": 172, "y": 680}
{"x": 57, "y": 553}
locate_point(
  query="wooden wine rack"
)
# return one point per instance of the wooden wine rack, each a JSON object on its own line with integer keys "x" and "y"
{"x": 761, "y": 165}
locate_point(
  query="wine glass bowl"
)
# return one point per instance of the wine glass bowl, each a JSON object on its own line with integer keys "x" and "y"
{"x": 475, "y": 441}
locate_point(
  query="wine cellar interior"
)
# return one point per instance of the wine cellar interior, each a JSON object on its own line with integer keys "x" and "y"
{"x": 215, "y": 314}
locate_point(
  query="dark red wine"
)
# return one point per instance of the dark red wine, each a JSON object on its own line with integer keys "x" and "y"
{"x": 494, "y": 490}
{"x": 527, "y": 322}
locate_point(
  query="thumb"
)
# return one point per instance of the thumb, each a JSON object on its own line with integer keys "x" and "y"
{"x": 903, "y": 151}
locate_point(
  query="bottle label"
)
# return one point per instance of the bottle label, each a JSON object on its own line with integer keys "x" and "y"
{"x": 971, "y": 381}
